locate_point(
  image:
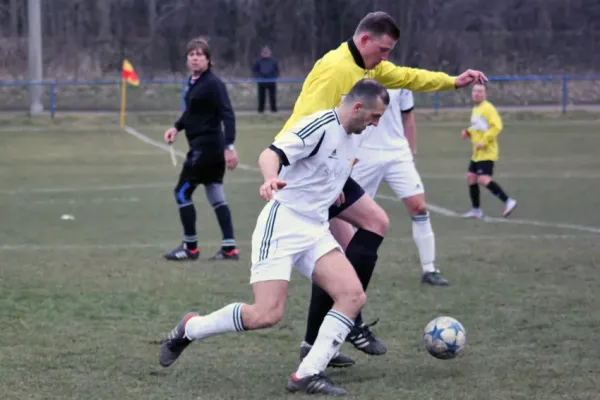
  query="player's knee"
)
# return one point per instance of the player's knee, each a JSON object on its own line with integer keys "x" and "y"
{"x": 377, "y": 221}
{"x": 471, "y": 178}
{"x": 380, "y": 223}
{"x": 352, "y": 299}
{"x": 484, "y": 180}
{"x": 215, "y": 195}
{"x": 182, "y": 195}
{"x": 418, "y": 208}
{"x": 357, "y": 299}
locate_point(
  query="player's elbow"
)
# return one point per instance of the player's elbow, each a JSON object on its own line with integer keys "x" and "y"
{"x": 265, "y": 155}
{"x": 267, "y": 158}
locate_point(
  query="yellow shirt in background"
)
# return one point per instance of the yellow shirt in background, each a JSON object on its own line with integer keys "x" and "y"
{"x": 485, "y": 127}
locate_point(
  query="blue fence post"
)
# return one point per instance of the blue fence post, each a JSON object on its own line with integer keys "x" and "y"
{"x": 52, "y": 99}
{"x": 436, "y": 102}
{"x": 565, "y": 93}
{"x": 183, "y": 88}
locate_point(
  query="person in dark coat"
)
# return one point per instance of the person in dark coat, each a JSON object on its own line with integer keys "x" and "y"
{"x": 266, "y": 67}
{"x": 208, "y": 110}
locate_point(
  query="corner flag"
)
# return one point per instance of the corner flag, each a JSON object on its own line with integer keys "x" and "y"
{"x": 128, "y": 75}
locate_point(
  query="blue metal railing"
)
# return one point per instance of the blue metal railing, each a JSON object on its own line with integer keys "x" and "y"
{"x": 52, "y": 85}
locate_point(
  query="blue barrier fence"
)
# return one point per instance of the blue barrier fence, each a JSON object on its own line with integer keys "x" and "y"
{"x": 558, "y": 93}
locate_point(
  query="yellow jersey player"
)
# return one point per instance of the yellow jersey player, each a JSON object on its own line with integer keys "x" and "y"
{"x": 485, "y": 127}
{"x": 364, "y": 55}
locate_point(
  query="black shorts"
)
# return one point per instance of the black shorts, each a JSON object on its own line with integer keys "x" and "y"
{"x": 203, "y": 166}
{"x": 481, "y": 167}
{"x": 352, "y": 192}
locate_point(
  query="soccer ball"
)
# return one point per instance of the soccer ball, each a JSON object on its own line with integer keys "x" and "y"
{"x": 444, "y": 337}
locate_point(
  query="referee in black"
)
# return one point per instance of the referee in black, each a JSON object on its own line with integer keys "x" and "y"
{"x": 211, "y": 150}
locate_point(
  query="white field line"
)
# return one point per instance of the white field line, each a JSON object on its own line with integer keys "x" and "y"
{"x": 109, "y": 188}
{"x": 165, "y": 147}
{"x": 432, "y": 207}
{"x": 125, "y": 246}
{"x": 449, "y": 213}
{"x": 95, "y": 200}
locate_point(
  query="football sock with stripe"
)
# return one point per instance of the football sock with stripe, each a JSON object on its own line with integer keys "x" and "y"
{"x": 227, "y": 319}
{"x": 362, "y": 254}
{"x": 332, "y": 334}
{"x": 224, "y": 217}
{"x": 216, "y": 197}
{"x": 425, "y": 241}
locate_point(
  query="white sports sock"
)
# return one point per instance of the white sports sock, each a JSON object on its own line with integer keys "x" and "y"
{"x": 425, "y": 240}
{"x": 332, "y": 334}
{"x": 227, "y": 319}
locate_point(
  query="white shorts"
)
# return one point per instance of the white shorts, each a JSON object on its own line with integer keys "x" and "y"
{"x": 375, "y": 166}
{"x": 283, "y": 239}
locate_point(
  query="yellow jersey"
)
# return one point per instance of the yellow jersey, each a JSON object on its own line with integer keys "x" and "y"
{"x": 485, "y": 127}
{"x": 336, "y": 72}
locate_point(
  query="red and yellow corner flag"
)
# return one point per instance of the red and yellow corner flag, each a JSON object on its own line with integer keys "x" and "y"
{"x": 128, "y": 75}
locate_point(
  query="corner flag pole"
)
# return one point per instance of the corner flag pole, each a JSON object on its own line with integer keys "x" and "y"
{"x": 123, "y": 94}
{"x": 128, "y": 75}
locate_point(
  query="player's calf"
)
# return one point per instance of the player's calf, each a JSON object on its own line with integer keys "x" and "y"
{"x": 269, "y": 304}
{"x": 336, "y": 276}
{"x": 424, "y": 238}
{"x": 216, "y": 197}
{"x": 267, "y": 310}
{"x": 257, "y": 316}
{"x": 509, "y": 203}
{"x": 188, "y": 250}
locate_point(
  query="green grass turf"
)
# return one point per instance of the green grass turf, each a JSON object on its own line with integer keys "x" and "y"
{"x": 83, "y": 302}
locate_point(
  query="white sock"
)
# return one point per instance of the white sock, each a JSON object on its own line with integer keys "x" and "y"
{"x": 425, "y": 240}
{"x": 227, "y": 319}
{"x": 332, "y": 334}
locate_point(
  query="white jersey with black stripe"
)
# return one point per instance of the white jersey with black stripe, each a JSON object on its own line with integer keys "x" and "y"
{"x": 317, "y": 155}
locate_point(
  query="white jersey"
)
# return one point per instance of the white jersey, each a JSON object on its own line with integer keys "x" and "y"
{"x": 317, "y": 156}
{"x": 389, "y": 134}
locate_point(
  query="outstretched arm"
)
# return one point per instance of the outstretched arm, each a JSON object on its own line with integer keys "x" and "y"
{"x": 421, "y": 80}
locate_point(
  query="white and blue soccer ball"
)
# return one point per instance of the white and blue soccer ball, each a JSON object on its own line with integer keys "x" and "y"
{"x": 444, "y": 337}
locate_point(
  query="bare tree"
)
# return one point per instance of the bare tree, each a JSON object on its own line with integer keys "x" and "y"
{"x": 89, "y": 37}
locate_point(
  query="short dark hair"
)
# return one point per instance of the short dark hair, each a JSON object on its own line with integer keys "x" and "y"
{"x": 368, "y": 90}
{"x": 199, "y": 44}
{"x": 379, "y": 23}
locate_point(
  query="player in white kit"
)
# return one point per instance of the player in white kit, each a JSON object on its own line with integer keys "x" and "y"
{"x": 387, "y": 154}
{"x": 304, "y": 171}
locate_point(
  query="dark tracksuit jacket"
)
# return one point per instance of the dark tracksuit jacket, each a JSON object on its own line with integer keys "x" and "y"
{"x": 208, "y": 109}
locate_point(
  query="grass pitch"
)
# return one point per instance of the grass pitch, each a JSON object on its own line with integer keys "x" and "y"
{"x": 83, "y": 301}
